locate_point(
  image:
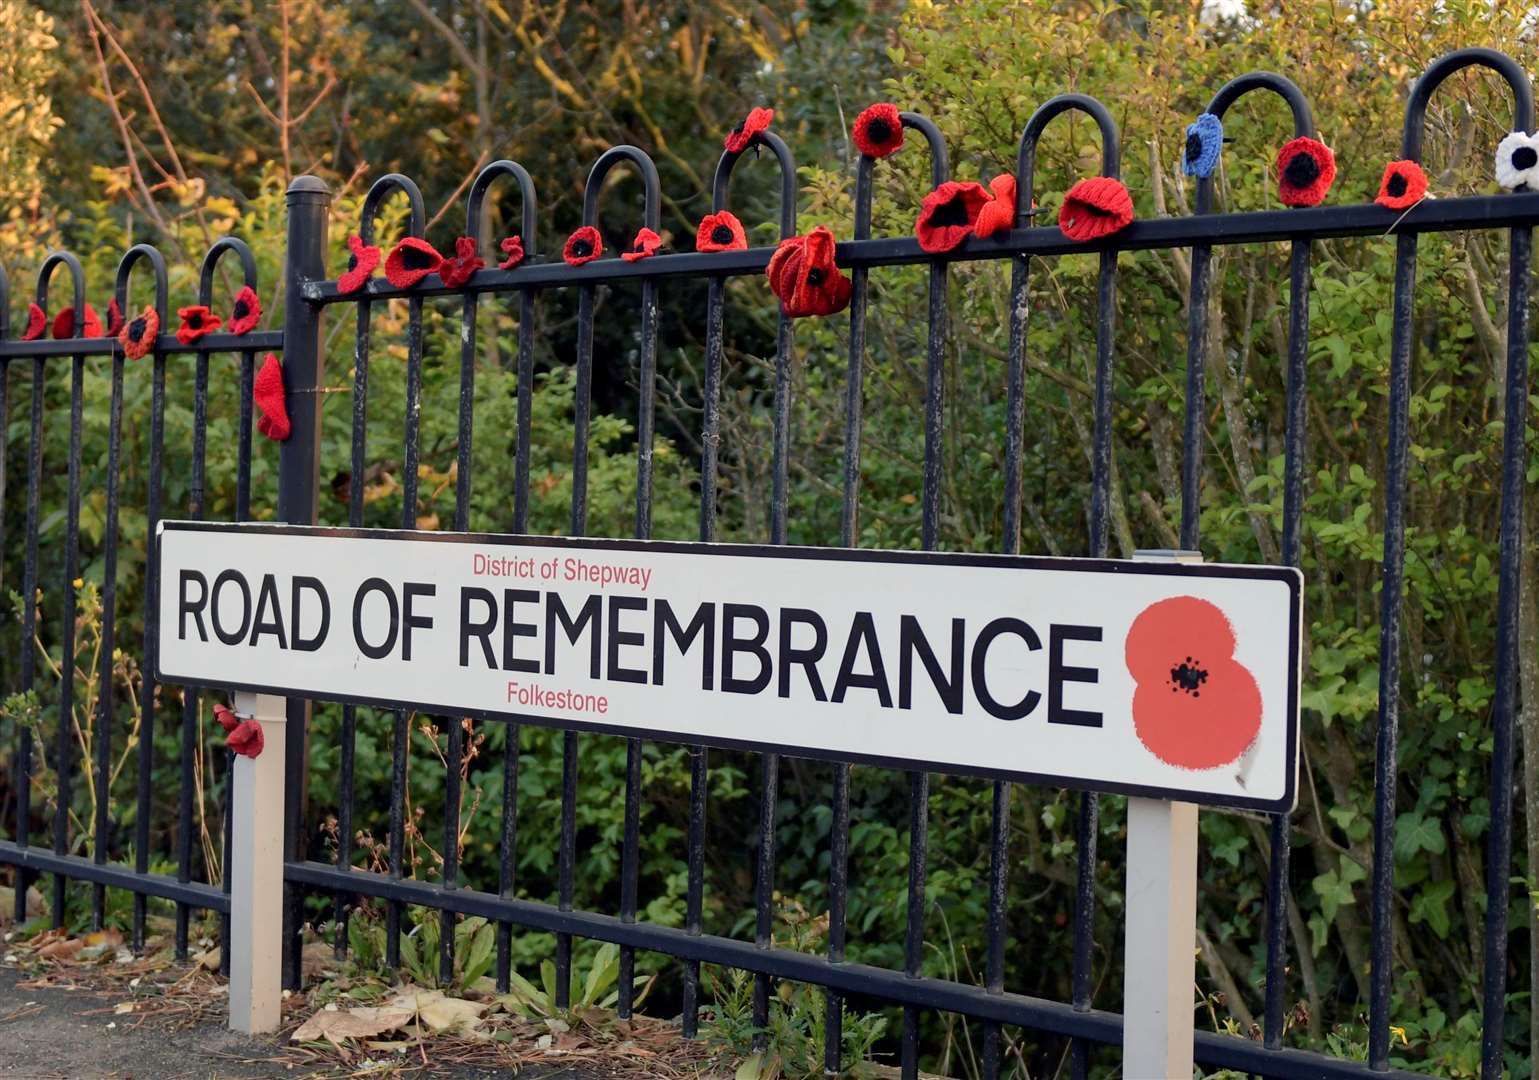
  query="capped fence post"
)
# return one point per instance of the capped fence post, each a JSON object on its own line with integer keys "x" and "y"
{"x": 309, "y": 200}
{"x": 256, "y": 873}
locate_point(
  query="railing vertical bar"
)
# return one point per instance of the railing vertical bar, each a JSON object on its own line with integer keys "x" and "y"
{"x": 106, "y": 709}
{"x": 151, "y": 644}
{"x": 243, "y": 447}
{"x": 29, "y": 630}
{"x": 64, "y": 747}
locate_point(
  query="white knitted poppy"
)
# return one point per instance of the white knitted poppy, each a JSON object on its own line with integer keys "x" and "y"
{"x": 1517, "y": 161}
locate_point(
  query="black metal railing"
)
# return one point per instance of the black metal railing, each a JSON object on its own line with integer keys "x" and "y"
{"x": 309, "y": 291}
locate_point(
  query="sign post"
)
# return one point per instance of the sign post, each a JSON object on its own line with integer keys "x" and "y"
{"x": 256, "y": 872}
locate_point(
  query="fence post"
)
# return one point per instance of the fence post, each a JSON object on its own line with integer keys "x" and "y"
{"x": 256, "y": 873}
{"x": 309, "y": 200}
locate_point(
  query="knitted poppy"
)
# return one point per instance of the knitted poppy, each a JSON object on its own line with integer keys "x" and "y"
{"x": 458, "y": 268}
{"x": 37, "y": 323}
{"x": 1095, "y": 207}
{"x": 803, "y": 275}
{"x": 998, "y": 214}
{"x": 114, "y": 318}
{"x": 721, "y": 231}
{"x": 1204, "y": 143}
{"x": 1517, "y": 162}
{"x": 410, "y": 261}
{"x": 583, "y": 246}
{"x": 756, "y": 121}
{"x": 513, "y": 248}
{"x": 226, "y": 718}
{"x": 361, "y": 263}
{"x": 644, "y": 246}
{"x": 64, "y": 323}
{"x": 246, "y": 311}
{"x": 1404, "y": 185}
{"x": 138, "y": 337}
{"x": 196, "y": 321}
{"x": 246, "y": 739}
{"x": 268, "y": 394}
{"x": 948, "y": 214}
{"x": 1305, "y": 170}
{"x": 879, "y": 130}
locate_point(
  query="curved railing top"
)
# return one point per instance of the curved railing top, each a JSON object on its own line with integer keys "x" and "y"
{"x": 77, "y": 281}
{"x": 652, "y": 211}
{"x": 134, "y": 255}
{"x": 379, "y": 192}
{"x": 1458, "y": 60}
{"x": 1026, "y": 155}
{"x": 475, "y": 205}
{"x": 787, "y": 163}
{"x": 211, "y": 260}
{"x": 940, "y": 168}
{"x": 1281, "y": 85}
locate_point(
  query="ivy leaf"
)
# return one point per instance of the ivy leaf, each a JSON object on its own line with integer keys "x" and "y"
{"x": 1415, "y": 833}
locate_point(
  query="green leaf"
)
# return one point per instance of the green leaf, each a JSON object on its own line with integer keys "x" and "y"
{"x": 1415, "y": 833}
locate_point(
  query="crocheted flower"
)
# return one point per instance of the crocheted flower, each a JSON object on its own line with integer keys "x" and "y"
{"x": 268, "y": 394}
{"x": 64, "y": 323}
{"x": 114, "y": 318}
{"x": 1306, "y": 169}
{"x": 643, "y": 247}
{"x": 583, "y": 246}
{"x": 998, "y": 214}
{"x": 37, "y": 323}
{"x": 1095, "y": 207}
{"x": 1204, "y": 144}
{"x": 1404, "y": 185}
{"x": 513, "y": 248}
{"x": 1517, "y": 162}
{"x": 138, "y": 337}
{"x": 196, "y": 321}
{"x": 756, "y": 121}
{"x": 803, "y": 275}
{"x": 226, "y": 718}
{"x": 410, "y": 261}
{"x": 948, "y": 214}
{"x": 247, "y": 739}
{"x": 462, "y": 265}
{"x": 1195, "y": 705}
{"x": 721, "y": 231}
{"x": 245, "y": 312}
{"x": 879, "y": 130}
{"x": 360, "y": 265}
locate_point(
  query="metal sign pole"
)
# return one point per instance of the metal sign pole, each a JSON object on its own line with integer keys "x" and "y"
{"x": 256, "y": 872}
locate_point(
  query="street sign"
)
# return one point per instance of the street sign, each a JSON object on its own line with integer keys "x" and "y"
{"x": 1166, "y": 680}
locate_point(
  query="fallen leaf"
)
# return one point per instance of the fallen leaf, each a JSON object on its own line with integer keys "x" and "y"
{"x": 209, "y": 959}
{"x": 440, "y": 1013}
{"x": 123, "y": 1008}
{"x": 336, "y": 1025}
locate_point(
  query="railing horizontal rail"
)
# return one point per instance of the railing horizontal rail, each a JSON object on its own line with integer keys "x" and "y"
{"x": 166, "y": 343}
{"x": 41, "y": 860}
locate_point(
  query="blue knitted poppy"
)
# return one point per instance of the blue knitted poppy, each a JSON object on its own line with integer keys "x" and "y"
{"x": 1204, "y": 142}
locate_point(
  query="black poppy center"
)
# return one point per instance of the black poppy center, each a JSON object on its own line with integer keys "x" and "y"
{"x": 416, "y": 259}
{"x": 722, "y": 234}
{"x": 1096, "y": 211}
{"x": 1188, "y": 677}
{"x": 581, "y": 249}
{"x": 1524, "y": 157}
{"x": 352, "y": 263}
{"x": 951, "y": 214}
{"x": 814, "y": 277}
{"x": 1396, "y": 186}
{"x": 1301, "y": 171}
{"x": 879, "y": 130}
{"x": 195, "y": 321}
{"x": 1193, "y": 146}
{"x": 136, "y": 329}
{"x": 242, "y": 309}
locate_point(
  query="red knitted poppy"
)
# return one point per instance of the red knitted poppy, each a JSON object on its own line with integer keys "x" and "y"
{"x": 643, "y": 247}
{"x": 1095, "y": 207}
{"x": 879, "y": 130}
{"x": 138, "y": 337}
{"x": 1305, "y": 170}
{"x": 947, "y": 215}
{"x": 583, "y": 246}
{"x": 267, "y": 391}
{"x": 245, "y": 311}
{"x": 114, "y": 318}
{"x": 226, "y": 718}
{"x": 37, "y": 323}
{"x": 197, "y": 320}
{"x": 998, "y": 214}
{"x": 361, "y": 263}
{"x": 410, "y": 261}
{"x": 462, "y": 265}
{"x": 721, "y": 231}
{"x": 513, "y": 248}
{"x": 247, "y": 738}
{"x": 802, "y": 273}
{"x": 64, "y": 323}
{"x": 1404, "y": 185}
{"x": 756, "y": 121}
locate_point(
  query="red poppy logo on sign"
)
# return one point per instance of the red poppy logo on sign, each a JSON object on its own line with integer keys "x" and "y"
{"x": 1195, "y": 705}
